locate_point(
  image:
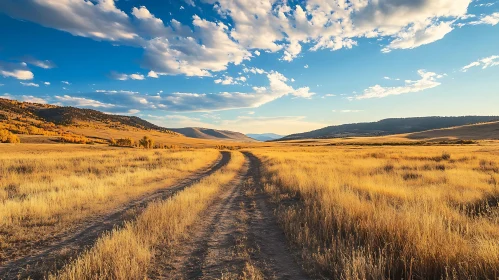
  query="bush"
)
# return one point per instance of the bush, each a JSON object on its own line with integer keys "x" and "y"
{"x": 123, "y": 142}
{"x": 445, "y": 156}
{"x": 7, "y": 137}
{"x": 146, "y": 142}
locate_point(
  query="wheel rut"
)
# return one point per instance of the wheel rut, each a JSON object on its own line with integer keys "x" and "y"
{"x": 238, "y": 237}
{"x": 50, "y": 257}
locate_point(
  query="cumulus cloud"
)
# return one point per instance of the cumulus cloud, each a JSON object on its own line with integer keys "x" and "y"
{"x": 29, "y": 84}
{"x": 201, "y": 47}
{"x": 185, "y": 55}
{"x": 66, "y": 83}
{"x": 428, "y": 80}
{"x": 16, "y": 70}
{"x": 152, "y": 74}
{"x": 99, "y": 21}
{"x": 484, "y": 63}
{"x": 47, "y": 83}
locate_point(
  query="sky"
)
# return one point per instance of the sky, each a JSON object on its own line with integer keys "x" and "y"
{"x": 280, "y": 66}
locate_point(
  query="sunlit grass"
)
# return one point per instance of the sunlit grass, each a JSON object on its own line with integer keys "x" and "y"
{"x": 390, "y": 212}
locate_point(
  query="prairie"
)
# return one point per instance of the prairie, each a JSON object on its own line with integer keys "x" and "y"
{"x": 389, "y": 212}
{"x": 50, "y": 189}
{"x": 126, "y": 253}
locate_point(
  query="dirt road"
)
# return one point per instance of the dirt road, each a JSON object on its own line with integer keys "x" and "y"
{"x": 237, "y": 237}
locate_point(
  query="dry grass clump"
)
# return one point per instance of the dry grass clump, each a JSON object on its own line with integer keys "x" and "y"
{"x": 125, "y": 253}
{"x": 388, "y": 212}
{"x": 47, "y": 192}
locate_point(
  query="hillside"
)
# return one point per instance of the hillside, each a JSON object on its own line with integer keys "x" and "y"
{"x": 391, "y": 126}
{"x": 482, "y": 131}
{"x": 208, "y": 133}
{"x": 265, "y": 136}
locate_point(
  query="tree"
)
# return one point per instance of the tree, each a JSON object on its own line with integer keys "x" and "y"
{"x": 146, "y": 142}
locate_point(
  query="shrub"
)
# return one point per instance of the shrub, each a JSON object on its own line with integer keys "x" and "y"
{"x": 146, "y": 142}
{"x": 7, "y": 137}
{"x": 445, "y": 156}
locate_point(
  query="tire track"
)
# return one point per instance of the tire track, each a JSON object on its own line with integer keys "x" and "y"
{"x": 238, "y": 229}
{"x": 66, "y": 246}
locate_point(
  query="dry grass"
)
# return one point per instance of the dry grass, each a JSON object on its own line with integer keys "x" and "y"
{"x": 44, "y": 191}
{"x": 126, "y": 253}
{"x": 390, "y": 212}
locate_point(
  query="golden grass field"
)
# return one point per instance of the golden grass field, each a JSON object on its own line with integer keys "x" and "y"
{"x": 390, "y": 212}
{"x": 126, "y": 253}
{"x": 350, "y": 211}
{"x": 47, "y": 189}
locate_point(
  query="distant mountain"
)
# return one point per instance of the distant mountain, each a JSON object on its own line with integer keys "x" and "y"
{"x": 391, "y": 126}
{"x": 265, "y": 136}
{"x": 208, "y": 133}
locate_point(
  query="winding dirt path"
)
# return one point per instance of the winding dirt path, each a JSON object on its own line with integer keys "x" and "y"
{"x": 49, "y": 257}
{"x": 238, "y": 237}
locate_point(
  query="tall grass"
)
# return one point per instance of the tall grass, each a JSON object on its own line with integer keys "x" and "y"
{"x": 41, "y": 194}
{"x": 390, "y": 213}
{"x": 126, "y": 253}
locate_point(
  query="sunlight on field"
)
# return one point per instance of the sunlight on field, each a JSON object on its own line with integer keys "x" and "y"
{"x": 126, "y": 253}
{"x": 45, "y": 190}
{"x": 389, "y": 212}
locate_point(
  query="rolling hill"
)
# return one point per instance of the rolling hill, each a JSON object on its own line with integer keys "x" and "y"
{"x": 35, "y": 122}
{"x": 390, "y": 127}
{"x": 482, "y": 131}
{"x": 208, "y": 133}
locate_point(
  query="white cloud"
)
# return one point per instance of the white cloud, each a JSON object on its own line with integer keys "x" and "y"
{"x": 47, "y": 83}
{"x": 33, "y": 99}
{"x": 81, "y": 102}
{"x": 45, "y": 64}
{"x": 185, "y": 55}
{"x": 100, "y": 20}
{"x": 133, "y": 111}
{"x": 491, "y": 19}
{"x": 29, "y": 84}
{"x": 18, "y": 74}
{"x": 484, "y": 63}
{"x": 124, "y": 77}
{"x": 66, "y": 82}
{"x": 428, "y": 80}
{"x": 257, "y": 53}
{"x": 152, "y": 74}
{"x": 306, "y": 66}
{"x": 418, "y": 35}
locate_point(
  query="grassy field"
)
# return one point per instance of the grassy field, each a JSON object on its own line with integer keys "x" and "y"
{"x": 389, "y": 212}
{"x": 351, "y": 211}
{"x": 48, "y": 189}
{"x": 126, "y": 253}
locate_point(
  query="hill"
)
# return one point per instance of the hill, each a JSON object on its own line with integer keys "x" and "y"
{"x": 208, "y": 133}
{"x": 391, "y": 126}
{"x": 482, "y": 131}
{"x": 265, "y": 136}
{"x": 44, "y": 123}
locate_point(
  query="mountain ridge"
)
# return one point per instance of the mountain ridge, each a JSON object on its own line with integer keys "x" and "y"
{"x": 390, "y": 126}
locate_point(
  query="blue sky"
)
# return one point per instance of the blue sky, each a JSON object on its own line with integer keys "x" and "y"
{"x": 254, "y": 66}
